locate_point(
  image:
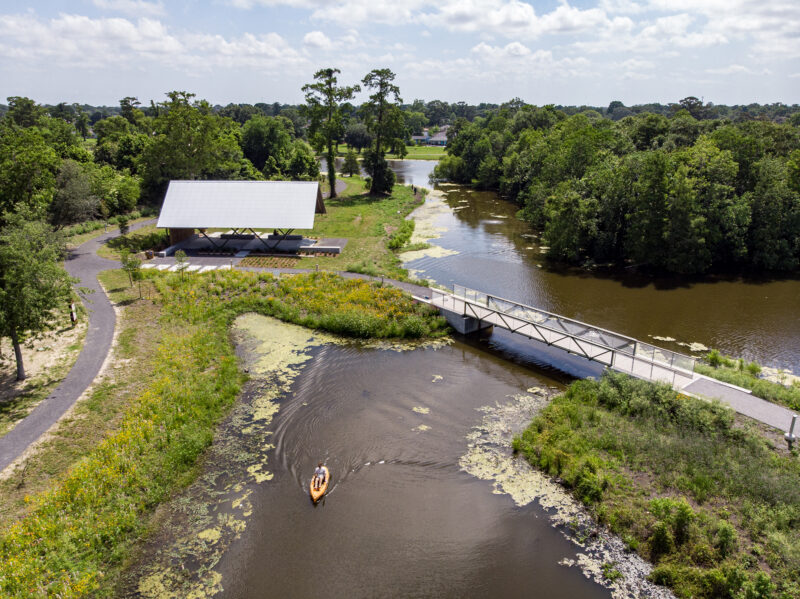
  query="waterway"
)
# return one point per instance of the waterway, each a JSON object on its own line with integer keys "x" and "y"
{"x": 488, "y": 249}
{"x": 426, "y": 498}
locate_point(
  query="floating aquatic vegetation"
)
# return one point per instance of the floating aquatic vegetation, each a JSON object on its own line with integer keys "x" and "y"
{"x": 421, "y": 410}
{"x": 422, "y": 428}
{"x": 694, "y": 346}
{"x": 659, "y": 338}
{"x": 489, "y": 457}
{"x": 426, "y": 229}
{"x": 204, "y": 521}
{"x": 436, "y": 378}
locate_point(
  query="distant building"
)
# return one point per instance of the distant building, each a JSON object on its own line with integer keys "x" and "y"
{"x": 440, "y": 139}
{"x": 426, "y": 139}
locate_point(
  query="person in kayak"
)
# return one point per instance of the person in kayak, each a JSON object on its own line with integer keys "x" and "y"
{"x": 319, "y": 476}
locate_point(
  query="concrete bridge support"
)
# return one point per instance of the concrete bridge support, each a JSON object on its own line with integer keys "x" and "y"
{"x": 465, "y": 324}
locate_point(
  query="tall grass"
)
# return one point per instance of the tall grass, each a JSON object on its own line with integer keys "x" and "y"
{"x": 712, "y": 505}
{"x": 76, "y": 535}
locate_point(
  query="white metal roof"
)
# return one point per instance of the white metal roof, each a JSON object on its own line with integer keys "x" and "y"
{"x": 239, "y": 204}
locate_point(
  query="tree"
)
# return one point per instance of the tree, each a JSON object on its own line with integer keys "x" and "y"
{"x": 384, "y": 119}
{"x": 181, "y": 262}
{"x": 73, "y": 200}
{"x": 357, "y": 136}
{"x": 303, "y": 164}
{"x": 33, "y": 284}
{"x": 351, "y": 166}
{"x": 131, "y": 265}
{"x": 128, "y": 109}
{"x": 323, "y": 109}
{"x": 122, "y": 223}
{"x": 27, "y": 169}
{"x": 264, "y": 137}
{"x": 81, "y": 122}
{"x": 191, "y": 143}
{"x": 694, "y": 106}
{"x": 23, "y": 111}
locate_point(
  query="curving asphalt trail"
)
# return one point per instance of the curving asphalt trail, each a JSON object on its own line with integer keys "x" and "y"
{"x": 84, "y": 264}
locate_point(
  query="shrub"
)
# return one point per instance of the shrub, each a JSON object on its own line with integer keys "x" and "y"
{"x": 402, "y": 236}
{"x": 661, "y": 541}
{"x": 726, "y": 539}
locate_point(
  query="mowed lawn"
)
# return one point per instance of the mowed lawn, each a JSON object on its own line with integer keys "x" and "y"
{"x": 367, "y": 222}
{"x": 413, "y": 152}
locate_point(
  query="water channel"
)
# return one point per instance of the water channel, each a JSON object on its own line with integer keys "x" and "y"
{"x": 409, "y": 513}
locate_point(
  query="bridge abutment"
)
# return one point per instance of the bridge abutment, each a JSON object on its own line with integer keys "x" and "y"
{"x": 465, "y": 325}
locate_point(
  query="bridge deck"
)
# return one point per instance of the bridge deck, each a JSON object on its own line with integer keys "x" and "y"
{"x": 611, "y": 349}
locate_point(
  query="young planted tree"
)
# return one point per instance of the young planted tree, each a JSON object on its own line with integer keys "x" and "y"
{"x": 323, "y": 109}
{"x": 131, "y": 265}
{"x": 384, "y": 119}
{"x": 351, "y": 166}
{"x": 33, "y": 283}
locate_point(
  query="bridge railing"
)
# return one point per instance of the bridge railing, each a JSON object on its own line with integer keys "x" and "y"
{"x": 628, "y": 353}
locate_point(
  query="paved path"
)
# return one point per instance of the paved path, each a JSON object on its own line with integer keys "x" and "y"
{"x": 744, "y": 403}
{"x": 84, "y": 264}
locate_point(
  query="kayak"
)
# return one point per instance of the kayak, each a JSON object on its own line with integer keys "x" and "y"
{"x": 316, "y": 494}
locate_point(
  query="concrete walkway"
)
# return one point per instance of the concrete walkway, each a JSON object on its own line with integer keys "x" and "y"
{"x": 744, "y": 403}
{"x": 84, "y": 264}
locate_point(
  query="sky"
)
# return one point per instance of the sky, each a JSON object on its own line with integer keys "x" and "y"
{"x": 247, "y": 51}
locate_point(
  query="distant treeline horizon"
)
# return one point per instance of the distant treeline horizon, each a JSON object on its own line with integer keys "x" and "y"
{"x": 440, "y": 112}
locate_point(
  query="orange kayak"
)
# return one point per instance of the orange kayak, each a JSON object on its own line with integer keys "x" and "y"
{"x": 316, "y": 494}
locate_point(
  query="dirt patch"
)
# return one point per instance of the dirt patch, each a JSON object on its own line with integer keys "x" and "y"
{"x": 47, "y": 359}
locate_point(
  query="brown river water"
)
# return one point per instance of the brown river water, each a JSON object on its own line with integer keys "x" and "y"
{"x": 426, "y": 499}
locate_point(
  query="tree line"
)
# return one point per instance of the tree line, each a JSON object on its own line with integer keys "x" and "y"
{"x": 58, "y": 168}
{"x": 674, "y": 194}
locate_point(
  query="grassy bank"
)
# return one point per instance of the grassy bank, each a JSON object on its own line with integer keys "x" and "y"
{"x": 369, "y": 223}
{"x": 76, "y": 535}
{"x": 413, "y": 152}
{"x": 737, "y": 372}
{"x": 714, "y": 506}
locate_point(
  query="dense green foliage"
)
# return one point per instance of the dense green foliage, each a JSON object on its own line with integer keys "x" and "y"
{"x": 675, "y": 194}
{"x": 402, "y": 236}
{"x": 33, "y": 284}
{"x": 714, "y": 506}
{"x": 80, "y": 530}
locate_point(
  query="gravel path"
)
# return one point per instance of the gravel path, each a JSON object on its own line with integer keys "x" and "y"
{"x": 84, "y": 264}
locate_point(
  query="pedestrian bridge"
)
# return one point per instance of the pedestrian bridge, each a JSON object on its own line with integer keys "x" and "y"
{"x": 468, "y": 310}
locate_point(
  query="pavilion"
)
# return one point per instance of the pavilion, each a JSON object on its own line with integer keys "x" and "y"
{"x": 243, "y": 208}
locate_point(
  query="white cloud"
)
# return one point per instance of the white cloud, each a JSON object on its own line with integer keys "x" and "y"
{"x": 317, "y": 39}
{"x": 513, "y": 18}
{"x": 772, "y": 25}
{"x": 625, "y": 7}
{"x": 82, "y": 42}
{"x": 134, "y": 8}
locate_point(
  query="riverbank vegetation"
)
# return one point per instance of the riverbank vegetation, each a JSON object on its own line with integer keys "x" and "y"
{"x": 743, "y": 374}
{"x": 710, "y": 502}
{"x": 678, "y": 194}
{"x": 76, "y": 535}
